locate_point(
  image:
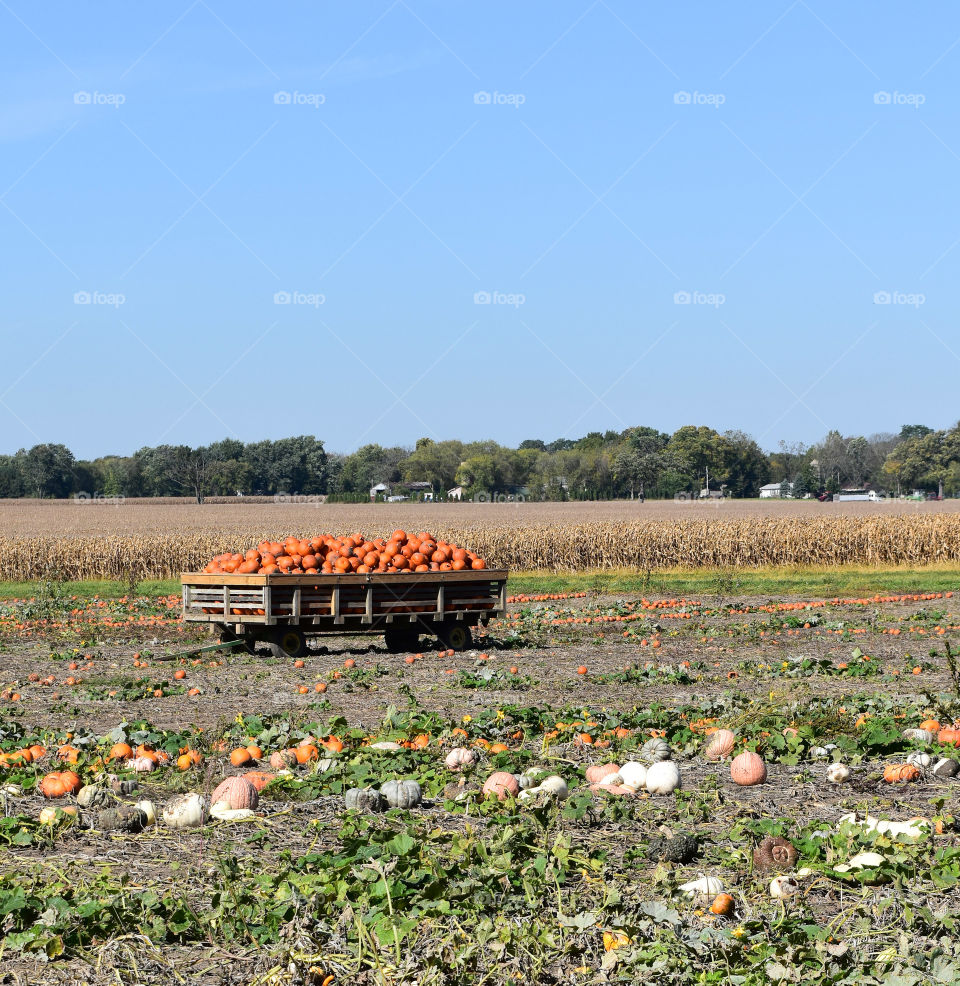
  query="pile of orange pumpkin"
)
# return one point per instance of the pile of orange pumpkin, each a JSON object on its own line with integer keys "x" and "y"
{"x": 348, "y": 555}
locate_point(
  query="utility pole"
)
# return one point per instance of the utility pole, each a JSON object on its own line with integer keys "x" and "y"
{"x": 708, "y": 481}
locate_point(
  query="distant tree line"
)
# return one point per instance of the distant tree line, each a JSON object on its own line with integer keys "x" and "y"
{"x": 637, "y": 462}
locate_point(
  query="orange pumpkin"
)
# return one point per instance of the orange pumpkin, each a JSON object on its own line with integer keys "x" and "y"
{"x": 722, "y": 904}
{"x": 897, "y": 772}
{"x": 949, "y": 735}
{"x": 259, "y": 778}
{"x": 120, "y": 751}
{"x": 51, "y": 786}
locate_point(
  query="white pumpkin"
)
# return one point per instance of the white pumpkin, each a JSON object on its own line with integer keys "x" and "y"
{"x": 705, "y": 885}
{"x": 862, "y": 861}
{"x": 555, "y": 786}
{"x": 838, "y": 773}
{"x": 914, "y": 828}
{"x": 919, "y": 759}
{"x": 919, "y": 735}
{"x": 634, "y": 774}
{"x": 663, "y": 777}
{"x": 184, "y": 812}
{"x": 143, "y": 765}
{"x": 149, "y": 811}
{"x": 387, "y": 746}
{"x": 784, "y": 886}
{"x": 222, "y": 811}
{"x": 865, "y": 861}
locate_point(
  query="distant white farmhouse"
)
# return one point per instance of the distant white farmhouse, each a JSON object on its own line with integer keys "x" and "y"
{"x": 455, "y": 494}
{"x": 377, "y": 490}
{"x": 776, "y": 490}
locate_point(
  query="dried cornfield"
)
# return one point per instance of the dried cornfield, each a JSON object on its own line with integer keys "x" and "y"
{"x": 138, "y": 540}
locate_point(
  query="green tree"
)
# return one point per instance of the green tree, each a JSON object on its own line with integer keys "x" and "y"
{"x": 11, "y": 477}
{"x": 47, "y": 470}
{"x": 434, "y": 462}
{"x": 913, "y": 431}
{"x": 748, "y": 468}
{"x": 699, "y": 449}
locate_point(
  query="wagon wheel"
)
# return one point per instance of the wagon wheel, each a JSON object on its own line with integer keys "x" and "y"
{"x": 401, "y": 639}
{"x": 457, "y": 636}
{"x": 289, "y": 642}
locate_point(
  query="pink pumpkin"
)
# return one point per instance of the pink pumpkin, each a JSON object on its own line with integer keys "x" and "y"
{"x": 720, "y": 745}
{"x": 501, "y": 784}
{"x": 748, "y": 769}
{"x": 282, "y": 759}
{"x": 621, "y": 789}
{"x": 596, "y": 772}
{"x": 459, "y": 758}
{"x": 237, "y": 792}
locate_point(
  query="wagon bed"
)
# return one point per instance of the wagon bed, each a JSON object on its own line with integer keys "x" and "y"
{"x": 283, "y": 610}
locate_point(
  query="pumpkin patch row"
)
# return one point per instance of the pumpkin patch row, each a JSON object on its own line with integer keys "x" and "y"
{"x": 351, "y": 554}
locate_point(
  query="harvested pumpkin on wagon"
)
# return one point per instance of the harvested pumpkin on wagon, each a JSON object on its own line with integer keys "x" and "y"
{"x": 348, "y": 555}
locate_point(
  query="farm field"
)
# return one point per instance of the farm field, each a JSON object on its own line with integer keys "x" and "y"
{"x": 466, "y": 889}
{"x": 133, "y": 539}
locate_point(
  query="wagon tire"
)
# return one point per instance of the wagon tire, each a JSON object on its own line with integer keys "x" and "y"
{"x": 457, "y": 636}
{"x": 289, "y": 642}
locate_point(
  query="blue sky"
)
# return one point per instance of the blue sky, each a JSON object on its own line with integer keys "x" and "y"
{"x": 380, "y": 220}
